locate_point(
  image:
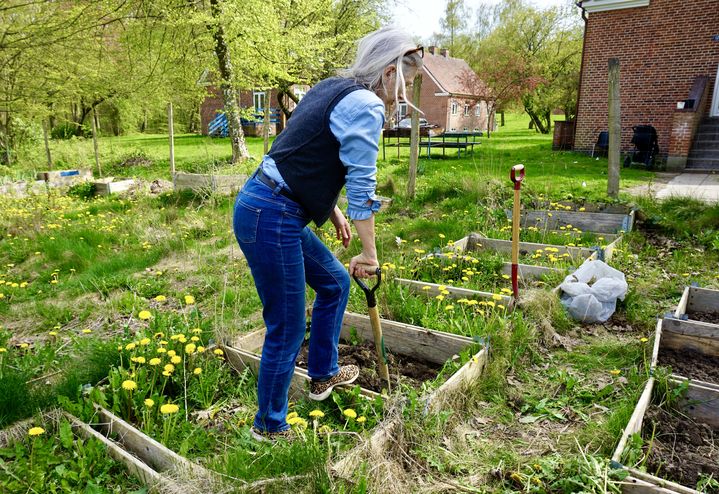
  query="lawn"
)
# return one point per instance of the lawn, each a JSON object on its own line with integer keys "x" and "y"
{"x": 119, "y": 300}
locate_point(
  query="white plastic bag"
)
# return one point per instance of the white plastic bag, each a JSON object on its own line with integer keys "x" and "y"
{"x": 590, "y": 293}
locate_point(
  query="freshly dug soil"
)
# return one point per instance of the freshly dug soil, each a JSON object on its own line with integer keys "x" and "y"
{"x": 682, "y": 449}
{"x": 403, "y": 368}
{"x": 710, "y": 317}
{"x": 691, "y": 364}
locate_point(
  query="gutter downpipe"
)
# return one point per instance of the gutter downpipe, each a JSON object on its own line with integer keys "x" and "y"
{"x": 581, "y": 69}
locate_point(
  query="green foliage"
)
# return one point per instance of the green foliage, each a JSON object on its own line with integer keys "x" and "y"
{"x": 83, "y": 190}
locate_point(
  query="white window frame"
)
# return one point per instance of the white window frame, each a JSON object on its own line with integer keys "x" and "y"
{"x": 605, "y": 5}
{"x": 402, "y": 110}
{"x": 299, "y": 93}
{"x": 466, "y": 109}
{"x": 477, "y": 110}
{"x": 454, "y": 108}
{"x": 258, "y": 96}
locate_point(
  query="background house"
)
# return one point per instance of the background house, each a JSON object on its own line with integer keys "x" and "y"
{"x": 669, "y": 53}
{"x": 213, "y": 105}
{"x": 452, "y": 95}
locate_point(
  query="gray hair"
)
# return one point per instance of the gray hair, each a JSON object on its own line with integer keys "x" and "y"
{"x": 378, "y": 50}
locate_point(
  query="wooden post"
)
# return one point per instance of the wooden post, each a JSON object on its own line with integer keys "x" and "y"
{"x": 266, "y": 122}
{"x": 94, "y": 142}
{"x": 615, "y": 129}
{"x": 171, "y": 131}
{"x": 47, "y": 144}
{"x": 414, "y": 138}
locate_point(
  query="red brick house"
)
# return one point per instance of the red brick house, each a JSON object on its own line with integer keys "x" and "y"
{"x": 668, "y": 52}
{"x": 452, "y": 95}
{"x": 214, "y": 104}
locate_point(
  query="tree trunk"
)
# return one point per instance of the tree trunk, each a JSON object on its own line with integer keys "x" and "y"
{"x": 502, "y": 114}
{"x": 47, "y": 144}
{"x": 537, "y": 121}
{"x": 229, "y": 93}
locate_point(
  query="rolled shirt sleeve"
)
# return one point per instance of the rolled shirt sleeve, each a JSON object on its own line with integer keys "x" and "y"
{"x": 356, "y": 121}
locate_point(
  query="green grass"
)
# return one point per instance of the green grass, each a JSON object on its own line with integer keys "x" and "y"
{"x": 179, "y": 244}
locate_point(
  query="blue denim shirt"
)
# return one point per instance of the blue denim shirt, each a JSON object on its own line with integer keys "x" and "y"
{"x": 356, "y": 121}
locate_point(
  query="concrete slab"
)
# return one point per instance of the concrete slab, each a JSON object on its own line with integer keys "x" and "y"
{"x": 701, "y": 186}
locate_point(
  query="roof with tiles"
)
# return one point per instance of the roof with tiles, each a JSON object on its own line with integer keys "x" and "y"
{"x": 453, "y": 75}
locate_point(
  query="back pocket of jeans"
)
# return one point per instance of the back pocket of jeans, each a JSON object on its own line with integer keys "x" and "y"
{"x": 247, "y": 219}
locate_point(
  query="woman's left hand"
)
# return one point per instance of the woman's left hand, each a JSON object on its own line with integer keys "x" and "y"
{"x": 342, "y": 226}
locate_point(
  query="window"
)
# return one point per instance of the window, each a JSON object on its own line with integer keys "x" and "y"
{"x": 402, "y": 110}
{"x": 477, "y": 110}
{"x": 466, "y": 110}
{"x": 258, "y": 98}
{"x": 455, "y": 107}
{"x": 299, "y": 93}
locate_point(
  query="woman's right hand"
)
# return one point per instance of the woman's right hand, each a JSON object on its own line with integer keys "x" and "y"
{"x": 363, "y": 266}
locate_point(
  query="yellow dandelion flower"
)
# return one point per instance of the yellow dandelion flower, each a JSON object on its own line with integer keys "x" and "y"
{"x": 643, "y": 340}
{"x": 449, "y": 307}
{"x": 87, "y": 331}
{"x": 144, "y": 315}
{"x": 158, "y": 335}
{"x": 166, "y": 373}
{"x": 496, "y": 296}
{"x": 175, "y": 337}
{"x": 129, "y": 385}
{"x": 317, "y": 414}
{"x": 171, "y": 353}
{"x": 349, "y": 413}
{"x": 169, "y": 367}
{"x": 53, "y": 333}
{"x": 176, "y": 359}
{"x": 361, "y": 420}
{"x": 182, "y": 339}
{"x": 426, "y": 287}
{"x": 197, "y": 371}
{"x": 160, "y": 298}
{"x": 169, "y": 408}
{"x": 615, "y": 372}
{"x": 200, "y": 349}
{"x": 36, "y": 431}
{"x": 161, "y": 350}
{"x": 441, "y": 235}
{"x": 155, "y": 361}
{"x": 439, "y": 297}
{"x": 196, "y": 330}
{"x": 291, "y": 415}
{"x": 298, "y": 422}
{"x": 189, "y": 299}
{"x": 195, "y": 338}
{"x": 149, "y": 403}
{"x": 190, "y": 348}
{"x": 500, "y": 306}
{"x": 218, "y": 351}
{"x": 145, "y": 341}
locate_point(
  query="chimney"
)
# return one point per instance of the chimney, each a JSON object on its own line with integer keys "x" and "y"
{"x": 444, "y": 52}
{"x": 431, "y": 49}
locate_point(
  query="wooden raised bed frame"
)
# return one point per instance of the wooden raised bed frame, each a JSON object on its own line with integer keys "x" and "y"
{"x": 701, "y": 401}
{"x": 404, "y": 339}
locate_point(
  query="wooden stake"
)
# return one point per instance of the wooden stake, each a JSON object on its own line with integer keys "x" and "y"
{"x": 266, "y": 122}
{"x": 171, "y": 131}
{"x": 615, "y": 129}
{"x": 414, "y": 138}
{"x": 94, "y": 142}
{"x": 47, "y": 144}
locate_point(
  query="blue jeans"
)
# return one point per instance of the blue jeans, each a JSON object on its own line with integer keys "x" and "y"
{"x": 283, "y": 255}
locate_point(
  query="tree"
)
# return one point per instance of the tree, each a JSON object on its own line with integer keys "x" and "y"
{"x": 454, "y": 21}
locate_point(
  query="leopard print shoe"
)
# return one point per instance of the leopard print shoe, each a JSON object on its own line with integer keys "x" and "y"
{"x": 321, "y": 390}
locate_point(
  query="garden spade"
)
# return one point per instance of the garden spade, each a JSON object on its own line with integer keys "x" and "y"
{"x": 517, "y": 174}
{"x": 376, "y": 325}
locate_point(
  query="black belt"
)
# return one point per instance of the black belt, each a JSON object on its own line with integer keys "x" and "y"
{"x": 273, "y": 185}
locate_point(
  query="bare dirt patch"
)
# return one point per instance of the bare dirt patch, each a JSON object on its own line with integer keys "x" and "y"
{"x": 691, "y": 364}
{"x": 406, "y": 369}
{"x": 710, "y": 317}
{"x": 682, "y": 449}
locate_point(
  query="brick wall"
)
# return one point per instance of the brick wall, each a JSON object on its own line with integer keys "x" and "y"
{"x": 214, "y": 103}
{"x": 661, "y": 49}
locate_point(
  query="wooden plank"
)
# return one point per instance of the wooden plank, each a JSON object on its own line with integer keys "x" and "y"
{"x": 150, "y": 451}
{"x": 405, "y": 339}
{"x": 145, "y": 473}
{"x": 607, "y": 223}
{"x": 682, "y": 307}
{"x": 609, "y": 249}
{"x": 531, "y": 272}
{"x": 652, "y": 484}
{"x": 432, "y": 289}
{"x": 704, "y": 384}
{"x": 657, "y": 343}
{"x": 679, "y": 341}
{"x": 635, "y": 422}
{"x": 702, "y": 404}
{"x": 483, "y": 243}
{"x": 459, "y": 381}
{"x": 692, "y": 328}
{"x": 702, "y": 300}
